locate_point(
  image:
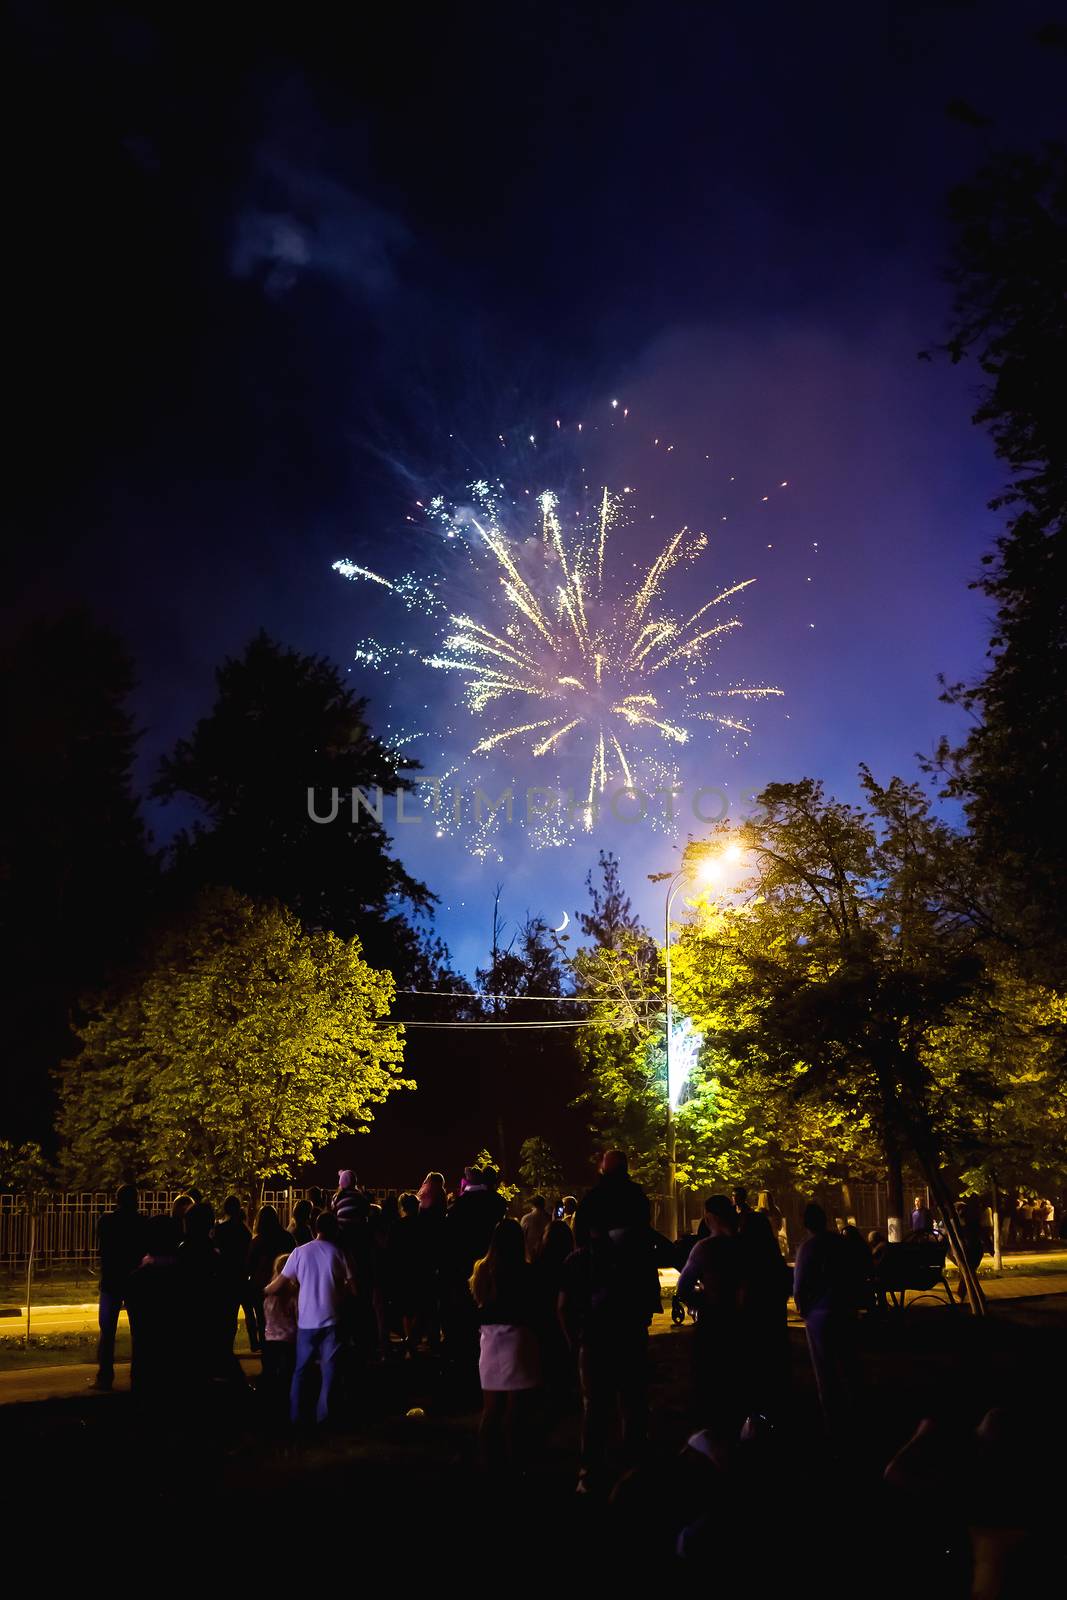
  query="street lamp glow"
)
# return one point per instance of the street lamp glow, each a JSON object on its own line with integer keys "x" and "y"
{"x": 682, "y": 1058}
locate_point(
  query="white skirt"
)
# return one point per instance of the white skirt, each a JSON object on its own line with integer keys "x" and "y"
{"x": 509, "y": 1358}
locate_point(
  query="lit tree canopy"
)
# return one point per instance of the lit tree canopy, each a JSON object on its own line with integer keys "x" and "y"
{"x": 538, "y": 1167}
{"x": 243, "y": 1045}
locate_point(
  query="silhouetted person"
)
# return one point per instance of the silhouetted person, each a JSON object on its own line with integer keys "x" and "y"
{"x": 351, "y": 1206}
{"x": 825, "y": 1292}
{"x": 122, "y": 1239}
{"x": 557, "y": 1364}
{"x": 766, "y": 1280}
{"x": 861, "y": 1266}
{"x": 410, "y": 1269}
{"x": 302, "y": 1222}
{"x": 468, "y": 1229}
{"x": 269, "y": 1241}
{"x": 608, "y": 1297}
{"x": 973, "y": 1235}
{"x": 154, "y": 1300}
{"x": 710, "y": 1283}
{"x": 432, "y": 1192}
{"x": 535, "y": 1225}
{"x": 233, "y": 1241}
{"x": 180, "y": 1208}
{"x": 432, "y": 1220}
{"x": 614, "y": 1201}
{"x": 207, "y": 1342}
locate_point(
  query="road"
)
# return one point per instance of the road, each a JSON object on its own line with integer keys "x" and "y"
{"x": 1016, "y": 1282}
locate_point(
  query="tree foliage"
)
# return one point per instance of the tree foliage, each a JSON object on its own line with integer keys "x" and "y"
{"x": 538, "y": 1168}
{"x": 850, "y": 956}
{"x": 1010, "y": 314}
{"x": 284, "y": 724}
{"x": 620, "y": 1049}
{"x": 242, "y": 1045}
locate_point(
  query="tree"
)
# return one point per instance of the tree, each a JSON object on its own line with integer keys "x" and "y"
{"x": 620, "y": 1048}
{"x": 24, "y": 1167}
{"x": 1010, "y": 313}
{"x": 611, "y": 918}
{"x": 242, "y": 1045}
{"x": 999, "y": 1072}
{"x": 849, "y": 959}
{"x": 75, "y": 873}
{"x": 283, "y": 725}
{"x": 740, "y": 1118}
{"x": 507, "y": 1191}
{"x": 521, "y": 971}
{"x": 538, "y": 1167}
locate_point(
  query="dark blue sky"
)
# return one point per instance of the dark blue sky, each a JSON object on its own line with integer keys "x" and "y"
{"x": 262, "y": 276}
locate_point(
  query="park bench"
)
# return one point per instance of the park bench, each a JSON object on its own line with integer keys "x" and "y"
{"x": 918, "y": 1269}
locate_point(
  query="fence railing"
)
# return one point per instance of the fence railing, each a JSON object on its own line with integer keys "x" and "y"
{"x": 65, "y": 1229}
{"x": 66, "y": 1222}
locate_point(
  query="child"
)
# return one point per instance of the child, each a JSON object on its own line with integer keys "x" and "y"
{"x": 279, "y": 1344}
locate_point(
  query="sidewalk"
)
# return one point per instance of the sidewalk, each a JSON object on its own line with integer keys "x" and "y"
{"x": 72, "y": 1382}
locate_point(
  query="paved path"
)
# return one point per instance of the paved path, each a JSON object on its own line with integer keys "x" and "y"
{"x": 73, "y": 1380}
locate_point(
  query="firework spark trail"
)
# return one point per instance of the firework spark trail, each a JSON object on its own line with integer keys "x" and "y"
{"x": 585, "y": 653}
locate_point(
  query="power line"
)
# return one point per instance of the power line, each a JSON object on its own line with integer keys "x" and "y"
{"x": 481, "y": 1022}
{"x": 540, "y": 999}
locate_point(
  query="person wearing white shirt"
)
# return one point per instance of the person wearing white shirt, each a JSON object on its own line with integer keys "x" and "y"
{"x": 324, "y": 1277}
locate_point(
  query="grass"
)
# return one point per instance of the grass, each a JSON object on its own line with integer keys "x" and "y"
{"x": 61, "y": 1290}
{"x": 406, "y": 1491}
{"x": 55, "y": 1350}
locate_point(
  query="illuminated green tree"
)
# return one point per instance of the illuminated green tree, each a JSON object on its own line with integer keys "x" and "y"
{"x": 999, "y": 1085}
{"x": 243, "y": 1045}
{"x": 538, "y": 1167}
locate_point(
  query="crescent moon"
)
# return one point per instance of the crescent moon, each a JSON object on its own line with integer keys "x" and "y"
{"x": 563, "y": 924}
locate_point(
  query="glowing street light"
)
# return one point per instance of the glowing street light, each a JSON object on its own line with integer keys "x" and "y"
{"x": 708, "y": 863}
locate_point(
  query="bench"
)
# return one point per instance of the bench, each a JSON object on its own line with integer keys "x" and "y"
{"x": 912, "y": 1268}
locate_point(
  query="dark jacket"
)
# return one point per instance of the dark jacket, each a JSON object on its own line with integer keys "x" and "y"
{"x": 470, "y": 1225}
{"x": 123, "y": 1239}
{"x": 615, "y": 1202}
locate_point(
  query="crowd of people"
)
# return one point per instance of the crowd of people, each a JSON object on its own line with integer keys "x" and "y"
{"x": 543, "y": 1312}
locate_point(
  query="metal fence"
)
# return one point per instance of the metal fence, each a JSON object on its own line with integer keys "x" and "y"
{"x": 66, "y": 1223}
{"x": 65, "y": 1232}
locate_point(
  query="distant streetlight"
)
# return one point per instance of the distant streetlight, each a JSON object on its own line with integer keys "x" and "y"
{"x": 708, "y": 863}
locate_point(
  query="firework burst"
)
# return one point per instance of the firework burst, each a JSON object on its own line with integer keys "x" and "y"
{"x": 566, "y": 660}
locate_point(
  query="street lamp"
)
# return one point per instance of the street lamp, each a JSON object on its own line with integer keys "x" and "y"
{"x": 706, "y": 863}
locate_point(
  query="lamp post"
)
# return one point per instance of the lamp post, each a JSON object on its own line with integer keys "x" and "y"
{"x": 705, "y": 860}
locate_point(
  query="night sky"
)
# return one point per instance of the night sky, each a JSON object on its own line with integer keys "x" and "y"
{"x": 274, "y": 282}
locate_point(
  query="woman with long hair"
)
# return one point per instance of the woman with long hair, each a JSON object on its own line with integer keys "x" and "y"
{"x": 269, "y": 1239}
{"x": 302, "y": 1222}
{"x": 509, "y": 1363}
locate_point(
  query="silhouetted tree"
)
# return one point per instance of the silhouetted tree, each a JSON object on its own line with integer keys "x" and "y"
{"x": 1010, "y": 314}
{"x": 285, "y": 725}
{"x": 74, "y": 866}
